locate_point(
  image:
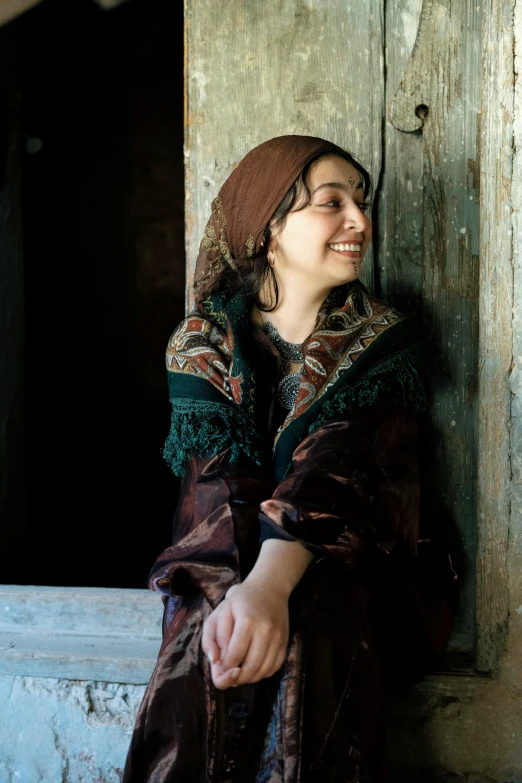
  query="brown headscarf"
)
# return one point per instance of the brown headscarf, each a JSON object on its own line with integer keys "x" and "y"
{"x": 247, "y": 201}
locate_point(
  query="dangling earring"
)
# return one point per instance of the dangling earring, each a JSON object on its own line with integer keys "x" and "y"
{"x": 274, "y": 281}
{"x": 270, "y": 256}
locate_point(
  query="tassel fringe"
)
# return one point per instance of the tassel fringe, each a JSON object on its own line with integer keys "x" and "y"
{"x": 402, "y": 375}
{"x": 207, "y": 428}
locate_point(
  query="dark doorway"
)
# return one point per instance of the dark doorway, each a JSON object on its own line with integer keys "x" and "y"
{"x": 103, "y": 197}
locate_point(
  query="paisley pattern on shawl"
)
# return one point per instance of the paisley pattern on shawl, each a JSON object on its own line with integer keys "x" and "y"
{"x": 337, "y": 342}
{"x": 200, "y": 348}
{"x": 213, "y": 386}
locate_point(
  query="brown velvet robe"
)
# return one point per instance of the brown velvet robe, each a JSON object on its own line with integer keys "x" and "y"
{"x": 364, "y": 614}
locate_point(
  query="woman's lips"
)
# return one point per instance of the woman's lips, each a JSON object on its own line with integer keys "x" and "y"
{"x": 346, "y": 253}
{"x": 350, "y": 250}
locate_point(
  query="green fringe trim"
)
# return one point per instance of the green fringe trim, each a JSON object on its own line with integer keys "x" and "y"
{"x": 206, "y": 428}
{"x": 402, "y": 375}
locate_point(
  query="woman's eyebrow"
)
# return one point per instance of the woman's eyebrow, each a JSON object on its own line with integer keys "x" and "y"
{"x": 339, "y": 185}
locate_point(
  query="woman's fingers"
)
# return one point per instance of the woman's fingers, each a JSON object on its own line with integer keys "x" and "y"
{"x": 224, "y": 628}
{"x": 250, "y": 630}
{"x": 224, "y": 678}
{"x": 229, "y": 678}
{"x": 217, "y": 630}
{"x": 209, "y": 643}
{"x": 279, "y": 661}
{"x": 239, "y": 643}
{"x": 258, "y": 655}
{"x": 211, "y": 636}
{"x": 272, "y": 663}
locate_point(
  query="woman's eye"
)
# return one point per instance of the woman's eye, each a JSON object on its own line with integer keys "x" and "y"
{"x": 364, "y": 206}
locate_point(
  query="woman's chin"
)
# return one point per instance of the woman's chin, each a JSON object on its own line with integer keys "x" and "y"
{"x": 350, "y": 275}
{"x": 350, "y": 269}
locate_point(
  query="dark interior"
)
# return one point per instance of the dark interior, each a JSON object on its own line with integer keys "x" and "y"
{"x": 103, "y": 239}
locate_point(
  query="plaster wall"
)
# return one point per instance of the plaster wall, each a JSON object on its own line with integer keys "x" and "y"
{"x": 65, "y": 731}
{"x": 74, "y": 664}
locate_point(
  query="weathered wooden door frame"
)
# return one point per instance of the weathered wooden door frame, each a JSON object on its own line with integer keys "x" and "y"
{"x": 493, "y": 181}
{"x": 495, "y": 306}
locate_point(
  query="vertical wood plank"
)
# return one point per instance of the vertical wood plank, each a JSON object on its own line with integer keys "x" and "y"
{"x": 436, "y": 109}
{"x": 400, "y": 206}
{"x": 513, "y": 666}
{"x": 262, "y": 69}
{"x": 497, "y": 244}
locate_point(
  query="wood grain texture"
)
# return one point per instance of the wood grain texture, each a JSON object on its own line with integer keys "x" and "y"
{"x": 496, "y": 339}
{"x": 261, "y": 70}
{"x": 264, "y": 69}
{"x": 513, "y": 664}
{"x": 400, "y": 206}
{"x": 429, "y": 245}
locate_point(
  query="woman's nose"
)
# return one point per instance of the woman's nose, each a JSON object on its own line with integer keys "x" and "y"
{"x": 354, "y": 218}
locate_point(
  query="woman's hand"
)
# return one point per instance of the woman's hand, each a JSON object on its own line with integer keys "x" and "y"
{"x": 246, "y": 636}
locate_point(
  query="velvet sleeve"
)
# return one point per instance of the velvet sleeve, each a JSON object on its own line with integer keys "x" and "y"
{"x": 353, "y": 487}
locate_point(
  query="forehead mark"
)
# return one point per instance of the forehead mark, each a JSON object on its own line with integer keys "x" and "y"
{"x": 338, "y": 185}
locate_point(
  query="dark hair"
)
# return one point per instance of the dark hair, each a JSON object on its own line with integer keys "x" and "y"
{"x": 251, "y": 273}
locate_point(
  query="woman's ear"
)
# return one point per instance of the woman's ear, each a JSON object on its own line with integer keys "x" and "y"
{"x": 270, "y": 234}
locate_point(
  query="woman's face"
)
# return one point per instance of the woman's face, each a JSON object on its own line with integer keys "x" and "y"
{"x": 326, "y": 241}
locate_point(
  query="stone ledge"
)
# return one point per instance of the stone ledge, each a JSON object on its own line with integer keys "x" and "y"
{"x": 113, "y": 635}
{"x": 74, "y": 657}
{"x": 83, "y": 610}
{"x": 79, "y": 633}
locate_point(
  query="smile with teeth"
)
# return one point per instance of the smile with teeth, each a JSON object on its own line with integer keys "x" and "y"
{"x": 345, "y": 247}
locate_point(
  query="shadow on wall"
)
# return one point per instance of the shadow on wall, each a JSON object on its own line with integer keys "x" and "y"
{"x": 437, "y": 520}
{"x": 407, "y": 708}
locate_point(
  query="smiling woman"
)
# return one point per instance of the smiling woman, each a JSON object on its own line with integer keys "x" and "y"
{"x": 300, "y": 582}
{"x": 320, "y": 244}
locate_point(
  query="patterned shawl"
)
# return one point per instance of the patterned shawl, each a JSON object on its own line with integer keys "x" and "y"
{"x": 359, "y": 353}
{"x": 361, "y": 350}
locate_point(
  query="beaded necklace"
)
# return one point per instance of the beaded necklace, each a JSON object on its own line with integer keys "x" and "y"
{"x": 288, "y": 386}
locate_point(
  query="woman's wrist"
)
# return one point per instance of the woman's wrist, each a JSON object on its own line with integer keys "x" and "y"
{"x": 280, "y": 565}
